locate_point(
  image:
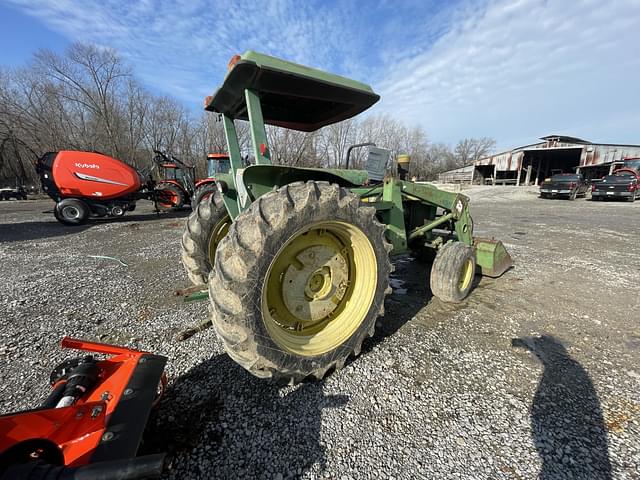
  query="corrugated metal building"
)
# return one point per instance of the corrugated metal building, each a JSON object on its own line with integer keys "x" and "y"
{"x": 459, "y": 175}
{"x": 531, "y": 164}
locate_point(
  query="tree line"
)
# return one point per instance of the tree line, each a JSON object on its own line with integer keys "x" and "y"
{"x": 89, "y": 99}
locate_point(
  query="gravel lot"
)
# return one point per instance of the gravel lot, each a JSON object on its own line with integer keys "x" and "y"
{"x": 536, "y": 374}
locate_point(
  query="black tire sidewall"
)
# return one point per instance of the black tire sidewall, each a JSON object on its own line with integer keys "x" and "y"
{"x": 446, "y": 269}
{"x": 200, "y": 192}
{"x": 82, "y": 207}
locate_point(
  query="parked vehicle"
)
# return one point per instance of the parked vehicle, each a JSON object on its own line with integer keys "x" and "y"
{"x": 622, "y": 184}
{"x": 86, "y": 184}
{"x": 217, "y": 163}
{"x": 569, "y": 185}
{"x": 297, "y": 259}
{"x": 177, "y": 184}
{"x": 178, "y": 180}
{"x": 19, "y": 193}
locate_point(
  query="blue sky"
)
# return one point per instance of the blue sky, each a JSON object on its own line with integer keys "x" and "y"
{"x": 512, "y": 70}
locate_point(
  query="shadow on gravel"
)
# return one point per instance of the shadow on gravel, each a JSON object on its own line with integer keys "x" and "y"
{"x": 26, "y": 231}
{"x": 411, "y": 292}
{"x": 566, "y": 417}
{"x": 218, "y": 421}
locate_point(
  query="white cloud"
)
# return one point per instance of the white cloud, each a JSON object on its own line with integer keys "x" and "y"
{"x": 510, "y": 70}
{"x": 518, "y": 70}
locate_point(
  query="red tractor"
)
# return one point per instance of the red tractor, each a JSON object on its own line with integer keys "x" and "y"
{"x": 176, "y": 188}
{"x": 216, "y": 163}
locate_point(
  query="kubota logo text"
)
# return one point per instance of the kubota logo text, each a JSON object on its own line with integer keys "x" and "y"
{"x": 88, "y": 165}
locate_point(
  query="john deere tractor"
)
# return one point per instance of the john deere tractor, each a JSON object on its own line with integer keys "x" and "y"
{"x": 297, "y": 260}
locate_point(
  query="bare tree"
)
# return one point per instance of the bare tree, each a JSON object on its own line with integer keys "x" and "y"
{"x": 87, "y": 99}
{"x": 290, "y": 147}
{"x": 468, "y": 150}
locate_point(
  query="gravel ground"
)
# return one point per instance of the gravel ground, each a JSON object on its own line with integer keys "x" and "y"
{"x": 535, "y": 375}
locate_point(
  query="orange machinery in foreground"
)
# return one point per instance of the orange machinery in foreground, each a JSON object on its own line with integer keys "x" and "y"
{"x": 91, "y": 424}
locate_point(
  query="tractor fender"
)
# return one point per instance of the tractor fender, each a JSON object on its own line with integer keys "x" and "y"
{"x": 260, "y": 179}
{"x": 205, "y": 181}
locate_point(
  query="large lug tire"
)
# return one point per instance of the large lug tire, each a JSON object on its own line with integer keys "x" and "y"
{"x": 299, "y": 281}
{"x": 202, "y": 192}
{"x": 452, "y": 272}
{"x": 72, "y": 211}
{"x": 205, "y": 227}
{"x": 169, "y": 196}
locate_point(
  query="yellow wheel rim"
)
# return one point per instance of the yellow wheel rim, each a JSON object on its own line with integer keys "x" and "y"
{"x": 319, "y": 288}
{"x": 219, "y": 231}
{"x": 466, "y": 275}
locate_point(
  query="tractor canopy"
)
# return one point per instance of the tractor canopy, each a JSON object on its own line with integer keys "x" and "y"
{"x": 291, "y": 95}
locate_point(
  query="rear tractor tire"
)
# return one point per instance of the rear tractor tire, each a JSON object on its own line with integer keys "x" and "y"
{"x": 201, "y": 193}
{"x": 299, "y": 281}
{"x": 205, "y": 227}
{"x": 72, "y": 211}
{"x": 452, "y": 272}
{"x": 169, "y": 197}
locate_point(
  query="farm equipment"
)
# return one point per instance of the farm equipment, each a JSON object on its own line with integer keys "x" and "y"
{"x": 85, "y": 184}
{"x": 91, "y": 424}
{"x": 177, "y": 185}
{"x": 297, "y": 260}
{"x": 217, "y": 163}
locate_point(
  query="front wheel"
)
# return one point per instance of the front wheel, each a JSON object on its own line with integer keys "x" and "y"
{"x": 452, "y": 272}
{"x": 299, "y": 281}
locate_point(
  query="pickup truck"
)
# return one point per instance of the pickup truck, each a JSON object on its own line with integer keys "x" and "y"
{"x": 619, "y": 185}
{"x": 19, "y": 193}
{"x": 568, "y": 185}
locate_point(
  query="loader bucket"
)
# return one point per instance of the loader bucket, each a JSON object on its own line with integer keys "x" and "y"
{"x": 491, "y": 257}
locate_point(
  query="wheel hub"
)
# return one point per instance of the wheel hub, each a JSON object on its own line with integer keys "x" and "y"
{"x": 70, "y": 212}
{"x": 314, "y": 285}
{"x": 319, "y": 287}
{"x": 219, "y": 231}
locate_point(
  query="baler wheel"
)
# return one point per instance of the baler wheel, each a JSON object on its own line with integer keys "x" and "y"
{"x": 452, "y": 272}
{"x": 299, "y": 281}
{"x": 71, "y": 211}
{"x": 170, "y": 196}
{"x": 206, "y": 226}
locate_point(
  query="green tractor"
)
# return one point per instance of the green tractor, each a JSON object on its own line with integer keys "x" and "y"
{"x": 297, "y": 260}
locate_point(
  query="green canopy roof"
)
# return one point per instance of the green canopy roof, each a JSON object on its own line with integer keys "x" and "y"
{"x": 291, "y": 95}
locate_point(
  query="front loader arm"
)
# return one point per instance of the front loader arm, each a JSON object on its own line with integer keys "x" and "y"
{"x": 389, "y": 199}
